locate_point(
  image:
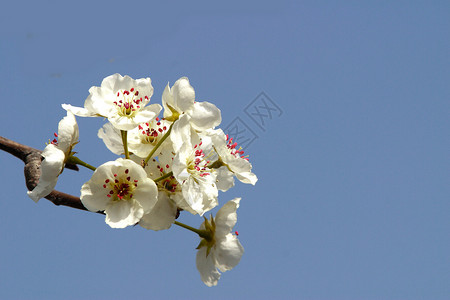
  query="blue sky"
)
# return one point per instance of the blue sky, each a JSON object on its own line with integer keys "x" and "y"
{"x": 352, "y": 200}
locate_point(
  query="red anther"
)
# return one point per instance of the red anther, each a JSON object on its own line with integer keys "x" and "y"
{"x": 111, "y": 192}
{"x": 164, "y": 127}
{"x": 140, "y": 127}
{"x": 126, "y": 171}
{"x": 107, "y": 180}
{"x": 128, "y": 178}
{"x": 237, "y": 233}
{"x": 55, "y": 134}
{"x": 118, "y": 94}
{"x": 135, "y": 180}
{"x": 137, "y": 93}
{"x": 115, "y": 175}
{"x": 146, "y": 98}
{"x": 160, "y": 130}
{"x": 233, "y": 146}
{"x": 157, "y": 118}
{"x": 116, "y": 181}
{"x": 147, "y": 124}
{"x": 161, "y": 169}
{"x": 227, "y": 137}
{"x": 109, "y": 196}
{"x": 132, "y": 89}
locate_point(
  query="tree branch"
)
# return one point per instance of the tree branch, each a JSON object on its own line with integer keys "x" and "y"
{"x": 32, "y": 159}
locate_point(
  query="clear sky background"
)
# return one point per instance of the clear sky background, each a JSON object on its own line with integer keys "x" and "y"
{"x": 352, "y": 200}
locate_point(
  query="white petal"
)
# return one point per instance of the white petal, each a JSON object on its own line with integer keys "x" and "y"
{"x": 226, "y": 217}
{"x": 112, "y": 138}
{"x": 205, "y": 265}
{"x": 148, "y": 113}
{"x": 193, "y": 195}
{"x": 247, "y": 177}
{"x": 181, "y": 133}
{"x": 67, "y": 132}
{"x": 183, "y": 94}
{"x": 162, "y": 215}
{"x": 123, "y": 213}
{"x": 228, "y": 252}
{"x": 146, "y": 193}
{"x": 225, "y": 179}
{"x": 167, "y": 99}
{"x": 204, "y": 115}
{"x": 79, "y": 111}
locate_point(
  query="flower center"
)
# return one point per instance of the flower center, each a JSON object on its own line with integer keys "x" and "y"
{"x": 128, "y": 101}
{"x": 199, "y": 163}
{"x": 121, "y": 187}
{"x": 169, "y": 184}
{"x": 152, "y": 132}
{"x": 232, "y": 147}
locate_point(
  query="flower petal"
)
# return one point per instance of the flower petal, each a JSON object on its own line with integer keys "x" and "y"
{"x": 204, "y": 115}
{"x": 162, "y": 215}
{"x": 112, "y": 138}
{"x": 123, "y": 213}
{"x": 183, "y": 94}
{"x": 67, "y": 132}
{"x": 226, "y": 217}
{"x": 228, "y": 252}
{"x": 79, "y": 111}
{"x": 205, "y": 265}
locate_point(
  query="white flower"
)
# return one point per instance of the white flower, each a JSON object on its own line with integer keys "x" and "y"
{"x": 181, "y": 99}
{"x": 221, "y": 250}
{"x": 122, "y": 100}
{"x": 191, "y": 170}
{"x": 55, "y": 156}
{"x": 122, "y": 189}
{"x": 232, "y": 157}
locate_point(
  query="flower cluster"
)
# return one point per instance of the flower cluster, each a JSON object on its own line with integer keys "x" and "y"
{"x": 169, "y": 164}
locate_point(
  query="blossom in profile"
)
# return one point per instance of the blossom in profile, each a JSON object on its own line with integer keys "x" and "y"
{"x": 219, "y": 249}
{"x": 122, "y": 100}
{"x": 55, "y": 156}
{"x": 122, "y": 190}
{"x": 232, "y": 156}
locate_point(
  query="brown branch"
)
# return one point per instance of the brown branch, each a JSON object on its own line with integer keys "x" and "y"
{"x": 32, "y": 159}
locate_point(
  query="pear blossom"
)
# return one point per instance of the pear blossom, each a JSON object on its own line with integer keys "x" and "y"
{"x": 122, "y": 190}
{"x": 232, "y": 157}
{"x": 190, "y": 168}
{"x": 55, "y": 156}
{"x": 122, "y": 100}
{"x": 219, "y": 249}
{"x": 181, "y": 99}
